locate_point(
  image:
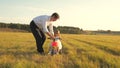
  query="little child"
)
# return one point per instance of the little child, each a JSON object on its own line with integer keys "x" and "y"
{"x": 56, "y": 46}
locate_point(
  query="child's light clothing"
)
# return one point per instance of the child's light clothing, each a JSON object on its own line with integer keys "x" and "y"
{"x": 57, "y": 39}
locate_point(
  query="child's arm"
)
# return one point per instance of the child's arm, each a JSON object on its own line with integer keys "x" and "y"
{"x": 60, "y": 36}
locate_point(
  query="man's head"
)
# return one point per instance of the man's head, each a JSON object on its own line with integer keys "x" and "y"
{"x": 54, "y": 17}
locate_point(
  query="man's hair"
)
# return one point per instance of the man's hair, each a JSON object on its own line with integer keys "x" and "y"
{"x": 55, "y": 15}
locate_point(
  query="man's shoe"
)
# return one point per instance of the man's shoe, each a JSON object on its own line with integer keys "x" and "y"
{"x": 42, "y": 53}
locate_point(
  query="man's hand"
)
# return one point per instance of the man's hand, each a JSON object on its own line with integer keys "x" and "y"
{"x": 50, "y": 35}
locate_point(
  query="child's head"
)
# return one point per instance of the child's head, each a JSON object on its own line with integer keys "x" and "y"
{"x": 56, "y": 33}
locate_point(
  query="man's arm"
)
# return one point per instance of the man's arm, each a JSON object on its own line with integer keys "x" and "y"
{"x": 47, "y": 32}
{"x": 50, "y": 35}
{"x": 51, "y": 29}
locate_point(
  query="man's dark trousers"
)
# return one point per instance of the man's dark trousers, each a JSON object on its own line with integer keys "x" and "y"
{"x": 38, "y": 35}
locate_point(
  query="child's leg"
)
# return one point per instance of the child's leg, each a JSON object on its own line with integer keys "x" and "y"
{"x": 50, "y": 49}
{"x": 60, "y": 51}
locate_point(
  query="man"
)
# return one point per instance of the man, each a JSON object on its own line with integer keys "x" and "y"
{"x": 39, "y": 27}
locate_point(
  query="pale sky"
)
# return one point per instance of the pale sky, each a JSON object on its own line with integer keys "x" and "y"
{"x": 86, "y": 14}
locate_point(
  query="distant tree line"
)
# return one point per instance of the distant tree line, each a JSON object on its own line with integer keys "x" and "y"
{"x": 26, "y": 27}
{"x": 70, "y": 30}
{"x": 15, "y": 26}
{"x": 62, "y": 29}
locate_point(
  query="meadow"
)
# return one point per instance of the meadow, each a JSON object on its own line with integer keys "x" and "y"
{"x": 18, "y": 50}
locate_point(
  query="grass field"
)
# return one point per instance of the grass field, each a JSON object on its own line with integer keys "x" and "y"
{"x": 18, "y": 50}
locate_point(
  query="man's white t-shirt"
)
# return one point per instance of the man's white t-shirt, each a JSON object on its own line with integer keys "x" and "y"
{"x": 42, "y": 22}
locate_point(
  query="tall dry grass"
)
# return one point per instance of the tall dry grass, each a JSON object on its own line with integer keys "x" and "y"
{"x": 18, "y": 50}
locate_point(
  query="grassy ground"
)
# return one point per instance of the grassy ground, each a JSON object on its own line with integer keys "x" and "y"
{"x": 18, "y": 50}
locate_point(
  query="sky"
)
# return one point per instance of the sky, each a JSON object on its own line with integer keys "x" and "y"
{"x": 85, "y": 14}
